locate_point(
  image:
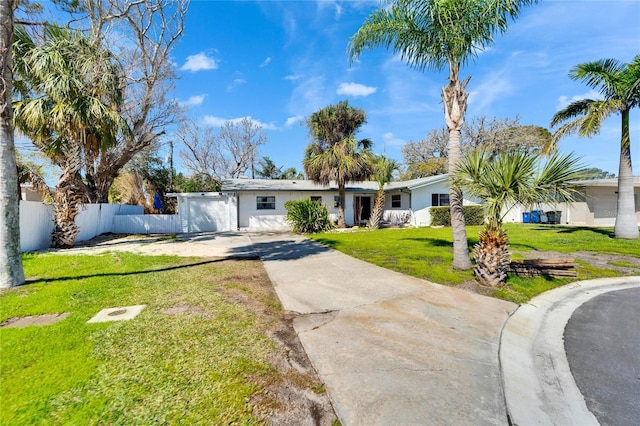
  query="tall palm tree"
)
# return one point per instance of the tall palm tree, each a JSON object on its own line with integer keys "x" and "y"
{"x": 619, "y": 84}
{"x": 11, "y": 271}
{"x": 436, "y": 34}
{"x": 68, "y": 98}
{"x": 334, "y": 153}
{"x": 383, "y": 173}
{"x": 503, "y": 181}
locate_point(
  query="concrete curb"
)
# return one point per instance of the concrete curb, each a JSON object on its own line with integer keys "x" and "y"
{"x": 538, "y": 385}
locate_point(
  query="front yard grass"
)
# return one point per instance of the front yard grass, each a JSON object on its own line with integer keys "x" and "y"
{"x": 427, "y": 252}
{"x": 198, "y": 354}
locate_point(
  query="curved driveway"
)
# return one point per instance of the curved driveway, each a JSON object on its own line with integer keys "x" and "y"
{"x": 391, "y": 349}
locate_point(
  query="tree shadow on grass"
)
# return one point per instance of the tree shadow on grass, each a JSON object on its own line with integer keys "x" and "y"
{"x": 147, "y": 271}
{"x": 434, "y": 242}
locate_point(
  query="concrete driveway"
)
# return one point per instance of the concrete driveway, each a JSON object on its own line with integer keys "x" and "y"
{"x": 391, "y": 349}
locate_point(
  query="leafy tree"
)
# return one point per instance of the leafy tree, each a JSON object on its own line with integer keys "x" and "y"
{"x": 32, "y": 173}
{"x": 596, "y": 173}
{"x": 383, "y": 173}
{"x": 427, "y": 157}
{"x": 437, "y": 34}
{"x": 502, "y": 181}
{"x": 291, "y": 174}
{"x": 196, "y": 183}
{"x": 68, "y": 96}
{"x": 269, "y": 170}
{"x": 11, "y": 271}
{"x": 619, "y": 84}
{"x": 334, "y": 153}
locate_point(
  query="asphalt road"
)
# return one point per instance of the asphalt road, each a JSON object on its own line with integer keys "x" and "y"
{"x": 602, "y": 343}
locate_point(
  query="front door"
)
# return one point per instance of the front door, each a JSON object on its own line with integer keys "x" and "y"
{"x": 362, "y": 210}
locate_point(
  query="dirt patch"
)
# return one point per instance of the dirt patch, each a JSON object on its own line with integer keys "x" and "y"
{"x": 616, "y": 262}
{"x": 47, "y": 319}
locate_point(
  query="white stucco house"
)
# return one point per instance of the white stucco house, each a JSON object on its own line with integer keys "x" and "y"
{"x": 260, "y": 203}
{"x": 598, "y": 205}
{"x": 255, "y": 204}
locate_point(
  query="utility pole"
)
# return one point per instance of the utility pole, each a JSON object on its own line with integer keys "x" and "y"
{"x": 171, "y": 165}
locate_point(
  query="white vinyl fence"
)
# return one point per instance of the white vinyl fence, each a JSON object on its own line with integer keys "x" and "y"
{"x": 36, "y": 222}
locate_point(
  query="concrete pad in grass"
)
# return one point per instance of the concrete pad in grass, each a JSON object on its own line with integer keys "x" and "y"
{"x": 117, "y": 314}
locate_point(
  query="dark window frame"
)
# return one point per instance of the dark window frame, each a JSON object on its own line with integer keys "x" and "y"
{"x": 266, "y": 202}
{"x": 396, "y": 201}
{"x": 438, "y": 200}
{"x": 316, "y": 198}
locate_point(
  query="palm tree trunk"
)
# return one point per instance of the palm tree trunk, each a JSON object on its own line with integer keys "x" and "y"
{"x": 454, "y": 98}
{"x": 11, "y": 272}
{"x": 626, "y": 222}
{"x": 343, "y": 196}
{"x": 378, "y": 209}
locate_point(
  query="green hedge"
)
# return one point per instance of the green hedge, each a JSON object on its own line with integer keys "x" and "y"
{"x": 441, "y": 216}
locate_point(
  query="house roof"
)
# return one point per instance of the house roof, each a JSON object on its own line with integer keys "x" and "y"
{"x": 612, "y": 182}
{"x": 309, "y": 185}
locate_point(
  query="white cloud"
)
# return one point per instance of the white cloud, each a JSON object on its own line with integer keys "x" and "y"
{"x": 235, "y": 83}
{"x": 322, "y": 4}
{"x": 355, "y": 89}
{"x": 213, "y": 121}
{"x": 564, "y": 100}
{"x": 199, "y": 62}
{"x": 193, "y": 101}
{"x": 495, "y": 86}
{"x": 293, "y": 77}
{"x": 390, "y": 140}
{"x": 309, "y": 95}
{"x": 293, "y": 120}
{"x": 265, "y": 62}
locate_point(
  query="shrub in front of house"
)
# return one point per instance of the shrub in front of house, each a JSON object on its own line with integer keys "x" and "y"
{"x": 441, "y": 216}
{"x": 307, "y": 216}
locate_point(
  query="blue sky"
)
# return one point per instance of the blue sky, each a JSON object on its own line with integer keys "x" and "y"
{"x": 279, "y": 61}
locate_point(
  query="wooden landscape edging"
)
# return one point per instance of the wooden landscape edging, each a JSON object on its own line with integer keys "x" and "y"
{"x": 557, "y": 268}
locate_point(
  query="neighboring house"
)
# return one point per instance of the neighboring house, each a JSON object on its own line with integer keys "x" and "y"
{"x": 598, "y": 206}
{"x": 260, "y": 203}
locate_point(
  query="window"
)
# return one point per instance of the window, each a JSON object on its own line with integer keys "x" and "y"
{"x": 396, "y": 202}
{"x": 317, "y": 199}
{"x": 439, "y": 199}
{"x": 266, "y": 203}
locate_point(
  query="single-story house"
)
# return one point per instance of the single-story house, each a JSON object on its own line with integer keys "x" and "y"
{"x": 597, "y": 206}
{"x": 259, "y": 203}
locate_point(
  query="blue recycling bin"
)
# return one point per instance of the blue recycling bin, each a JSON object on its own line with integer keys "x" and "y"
{"x": 526, "y": 217}
{"x": 536, "y": 216}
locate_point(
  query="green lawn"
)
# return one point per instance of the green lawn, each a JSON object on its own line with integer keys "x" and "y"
{"x": 204, "y": 363}
{"x": 427, "y": 252}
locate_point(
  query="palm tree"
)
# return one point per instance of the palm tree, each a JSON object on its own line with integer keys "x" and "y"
{"x": 434, "y": 34}
{"x": 619, "y": 84}
{"x": 11, "y": 271}
{"x": 68, "y": 95}
{"x": 503, "y": 181}
{"x": 334, "y": 153}
{"x": 383, "y": 173}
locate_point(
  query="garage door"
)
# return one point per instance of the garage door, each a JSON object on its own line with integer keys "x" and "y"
{"x": 208, "y": 214}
